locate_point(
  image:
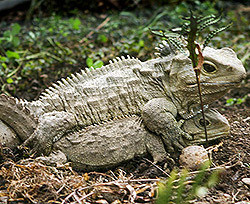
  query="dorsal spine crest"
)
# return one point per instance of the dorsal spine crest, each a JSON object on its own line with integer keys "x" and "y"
{"x": 96, "y": 95}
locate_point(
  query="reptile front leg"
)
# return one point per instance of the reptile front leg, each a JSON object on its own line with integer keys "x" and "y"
{"x": 159, "y": 116}
{"x": 156, "y": 149}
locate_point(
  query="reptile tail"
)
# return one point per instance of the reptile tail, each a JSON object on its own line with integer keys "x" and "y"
{"x": 16, "y": 117}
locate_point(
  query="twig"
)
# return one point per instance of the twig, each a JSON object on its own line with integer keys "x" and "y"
{"x": 234, "y": 196}
{"x": 97, "y": 28}
{"x": 197, "y": 60}
{"x": 142, "y": 180}
{"x": 74, "y": 195}
{"x": 60, "y": 189}
{"x": 115, "y": 183}
{"x": 157, "y": 167}
{"x": 91, "y": 193}
{"x": 216, "y": 168}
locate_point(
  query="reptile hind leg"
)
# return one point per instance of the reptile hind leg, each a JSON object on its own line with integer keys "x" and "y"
{"x": 51, "y": 127}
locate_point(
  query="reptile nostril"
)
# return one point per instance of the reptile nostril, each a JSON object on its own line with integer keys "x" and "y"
{"x": 229, "y": 69}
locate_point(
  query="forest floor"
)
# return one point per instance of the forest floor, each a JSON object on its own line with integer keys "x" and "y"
{"x": 24, "y": 180}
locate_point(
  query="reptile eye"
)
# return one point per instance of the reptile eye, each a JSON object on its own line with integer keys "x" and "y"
{"x": 209, "y": 68}
{"x": 201, "y": 121}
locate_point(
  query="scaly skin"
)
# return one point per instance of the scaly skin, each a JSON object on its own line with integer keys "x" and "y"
{"x": 118, "y": 140}
{"x": 157, "y": 90}
{"x": 103, "y": 146}
{"x": 106, "y": 145}
{"x": 15, "y": 119}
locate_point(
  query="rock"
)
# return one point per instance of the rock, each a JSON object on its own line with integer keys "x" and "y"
{"x": 246, "y": 181}
{"x": 192, "y": 157}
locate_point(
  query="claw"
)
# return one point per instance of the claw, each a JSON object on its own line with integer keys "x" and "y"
{"x": 182, "y": 142}
{"x": 187, "y": 136}
{"x": 178, "y": 145}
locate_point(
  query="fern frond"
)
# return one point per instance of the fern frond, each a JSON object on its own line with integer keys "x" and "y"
{"x": 185, "y": 28}
{"x": 205, "y": 18}
{"x": 157, "y": 32}
{"x": 172, "y": 35}
{"x": 213, "y": 33}
{"x": 164, "y": 49}
{"x": 182, "y": 187}
{"x": 173, "y": 39}
{"x": 208, "y": 22}
{"x": 176, "y": 43}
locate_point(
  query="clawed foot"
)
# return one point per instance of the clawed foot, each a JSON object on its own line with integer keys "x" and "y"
{"x": 173, "y": 142}
{"x": 55, "y": 157}
{"x": 164, "y": 159}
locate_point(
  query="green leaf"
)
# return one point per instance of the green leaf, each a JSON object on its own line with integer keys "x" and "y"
{"x": 15, "y": 41}
{"x": 75, "y": 23}
{"x": 3, "y": 59}
{"x": 15, "y": 29}
{"x": 102, "y": 38}
{"x": 4, "y": 65}
{"x": 32, "y": 35}
{"x": 239, "y": 101}
{"x": 9, "y": 81}
{"x": 7, "y": 34}
{"x": 89, "y": 62}
{"x": 230, "y": 101}
{"x": 98, "y": 64}
{"x": 11, "y": 54}
{"x": 141, "y": 43}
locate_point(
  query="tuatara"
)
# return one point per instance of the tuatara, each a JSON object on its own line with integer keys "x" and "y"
{"x": 157, "y": 90}
{"x": 113, "y": 142}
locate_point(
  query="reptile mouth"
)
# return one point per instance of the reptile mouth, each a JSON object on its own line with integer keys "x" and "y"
{"x": 220, "y": 83}
{"x": 213, "y": 84}
{"x": 202, "y": 139}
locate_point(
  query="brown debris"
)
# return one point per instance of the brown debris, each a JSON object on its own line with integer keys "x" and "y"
{"x": 33, "y": 182}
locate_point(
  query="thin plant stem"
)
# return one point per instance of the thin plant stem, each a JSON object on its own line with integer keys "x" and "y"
{"x": 201, "y": 101}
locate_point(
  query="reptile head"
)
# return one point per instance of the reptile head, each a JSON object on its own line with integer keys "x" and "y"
{"x": 216, "y": 124}
{"x": 221, "y": 71}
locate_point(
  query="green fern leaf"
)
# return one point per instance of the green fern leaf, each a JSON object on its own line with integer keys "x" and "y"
{"x": 208, "y": 23}
{"x": 213, "y": 33}
{"x": 205, "y": 18}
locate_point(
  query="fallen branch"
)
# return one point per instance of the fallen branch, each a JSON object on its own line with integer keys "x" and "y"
{"x": 97, "y": 28}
